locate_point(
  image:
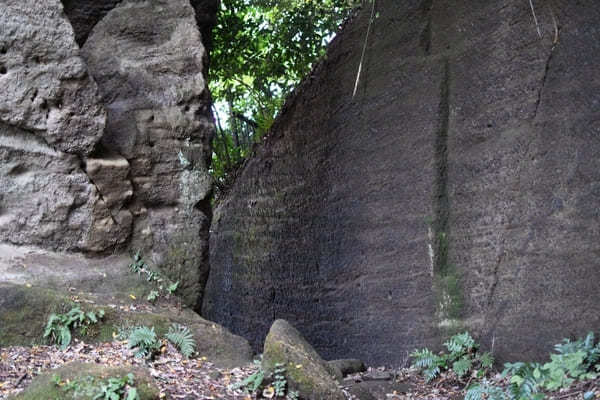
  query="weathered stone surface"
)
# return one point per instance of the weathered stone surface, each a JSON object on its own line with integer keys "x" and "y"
{"x": 306, "y": 371}
{"x": 46, "y": 88}
{"x": 449, "y": 193}
{"x": 50, "y": 119}
{"x": 47, "y": 200}
{"x": 147, "y": 58}
{"x": 85, "y": 14}
{"x": 35, "y": 283}
{"x": 44, "y": 386}
{"x": 110, "y": 175}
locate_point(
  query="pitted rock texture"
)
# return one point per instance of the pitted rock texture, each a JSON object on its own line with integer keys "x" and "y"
{"x": 457, "y": 190}
{"x": 148, "y": 60}
{"x": 50, "y": 120}
{"x": 47, "y": 200}
{"x": 46, "y": 88}
{"x": 107, "y": 148}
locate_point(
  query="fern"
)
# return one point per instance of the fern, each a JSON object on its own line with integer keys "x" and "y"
{"x": 485, "y": 391}
{"x": 486, "y": 359}
{"x": 459, "y": 344}
{"x": 462, "y": 366}
{"x": 182, "y": 338}
{"x": 144, "y": 340}
{"x": 58, "y": 328}
{"x": 251, "y": 383}
{"x": 424, "y": 358}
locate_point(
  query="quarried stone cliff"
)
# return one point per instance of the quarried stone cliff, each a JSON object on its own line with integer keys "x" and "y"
{"x": 457, "y": 190}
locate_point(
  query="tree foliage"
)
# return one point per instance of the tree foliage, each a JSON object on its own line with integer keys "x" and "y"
{"x": 261, "y": 51}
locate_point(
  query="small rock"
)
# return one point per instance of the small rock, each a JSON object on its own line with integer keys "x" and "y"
{"x": 348, "y": 366}
{"x": 376, "y": 375}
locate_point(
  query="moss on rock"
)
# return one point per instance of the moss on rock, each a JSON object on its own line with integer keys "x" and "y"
{"x": 90, "y": 375}
{"x": 306, "y": 371}
{"x": 24, "y": 312}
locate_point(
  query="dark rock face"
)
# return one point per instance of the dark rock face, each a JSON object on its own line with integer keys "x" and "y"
{"x": 457, "y": 190}
{"x": 85, "y": 14}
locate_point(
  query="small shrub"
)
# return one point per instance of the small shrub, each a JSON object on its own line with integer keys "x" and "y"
{"x": 573, "y": 361}
{"x": 140, "y": 267}
{"x": 58, "y": 328}
{"x": 109, "y": 389}
{"x": 144, "y": 341}
{"x": 277, "y": 389}
{"x": 182, "y": 338}
{"x": 463, "y": 358}
{"x": 152, "y": 296}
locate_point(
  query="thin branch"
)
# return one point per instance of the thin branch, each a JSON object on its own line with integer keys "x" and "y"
{"x": 537, "y": 26}
{"x": 362, "y": 57}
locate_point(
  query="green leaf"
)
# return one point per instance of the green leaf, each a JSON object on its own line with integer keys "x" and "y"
{"x": 132, "y": 394}
{"x": 462, "y": 366}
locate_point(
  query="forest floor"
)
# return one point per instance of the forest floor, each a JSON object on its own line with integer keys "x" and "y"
{"x": 198, "y": 378}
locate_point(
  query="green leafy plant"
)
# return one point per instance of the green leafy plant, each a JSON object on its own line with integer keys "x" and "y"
{"x": 140, "y": 267}
{"x": 112, "y": 388}
{"x": 485, "y": 390}
{"x": 279, "y": 381}
{"x": 138, "y": 263}
{"x": 172, "y": 287}
{"x": 463, "y": 357}
{"x": 152, "y": 296}
{"x": 58, "y": 328}
{"x": 182, "y": 338}
{"x": 277, "y": 388}
{"x": 251, "y": 383}
{"x": 577, "y": 360}
{"x": 144, "y": 341}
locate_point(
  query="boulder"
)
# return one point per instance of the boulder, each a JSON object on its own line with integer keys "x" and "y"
{"x": 87, "y": 378}
{"x": 35, "y": 283}
{"x": 46, "y": 87}
{"x": 48, "y": 200}
{"x": 148, "y": 60}
{"x": 50, "y": 120}
{"x": 306, "y": 371}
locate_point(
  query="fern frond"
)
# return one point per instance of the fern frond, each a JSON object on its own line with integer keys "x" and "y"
{"x": 423, "y": 358}
{"x": 431, "y": 373}
{"x": 460, "y": 343}
{"x": 144, "y": 340}
{"x": 182, "y": 338}
{"x": 486, "y": 359}
{"x": 485, "y": 391}
{"x": 462, "y": 366}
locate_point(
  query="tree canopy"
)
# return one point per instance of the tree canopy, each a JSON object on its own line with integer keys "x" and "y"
{"x": 261, "y": 51}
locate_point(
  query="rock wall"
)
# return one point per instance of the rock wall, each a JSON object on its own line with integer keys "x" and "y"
{"x": 105, "y": 130}
{"x": 458, "y": 189}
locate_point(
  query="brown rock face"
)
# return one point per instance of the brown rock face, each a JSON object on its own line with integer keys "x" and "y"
{"x": 457, "y": 190}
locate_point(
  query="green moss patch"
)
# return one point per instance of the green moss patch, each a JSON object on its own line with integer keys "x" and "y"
{"x": 83, "y": 379}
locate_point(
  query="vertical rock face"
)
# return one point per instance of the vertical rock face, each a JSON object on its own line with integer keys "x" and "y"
{"x": 148, "y": 58}
{"x": 457, "y": 190}
{"x": 50, "y": 119}
{"x": 107, "y": 146}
